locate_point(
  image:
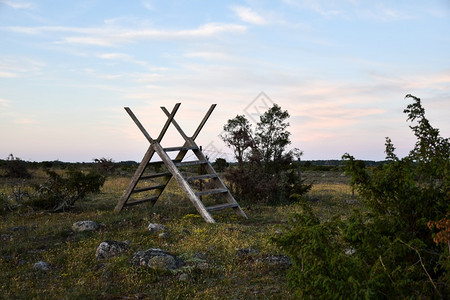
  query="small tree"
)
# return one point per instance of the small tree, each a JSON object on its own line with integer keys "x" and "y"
{"x": 238, "y": 136}
{"x": 271, "y": 134}
{"x": 264, "y": 172}
{"x": 220, "y": 164}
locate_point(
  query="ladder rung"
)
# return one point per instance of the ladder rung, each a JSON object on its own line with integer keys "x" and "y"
{"x": 152, "y": 199}
{"x": 155, "y": 187}
{"x": 160, "y": 162}
{"x": 179, "y": 148}
{"x": 190, "y": 163}
{"x": 156, "y": 175}
{"x": 211, "y": 192}
{"x": 222, "y": 206}
{"x": 205, "y": 176}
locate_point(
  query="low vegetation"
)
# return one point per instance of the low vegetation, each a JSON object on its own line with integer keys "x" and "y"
{"x": 214, "y": 265}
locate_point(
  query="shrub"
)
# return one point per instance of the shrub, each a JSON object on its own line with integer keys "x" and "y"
{"x": 388, "y": 251}
{"x": 60, "y": 193}
{"x": 16, "y": 168}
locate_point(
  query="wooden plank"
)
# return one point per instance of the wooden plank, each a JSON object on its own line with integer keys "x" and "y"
{"x": 190, "y": 163}
{"x": 168, "y": 121}
{"x": 202, "y": 123}
{"x": 156, "y": 175}
{"x": 174, "y": 123}
{"x": 184, "y": 184}
{"x": 149, "y": 188}
{"x": 200, "y": 177}
{"x": 221, "y": 206}
{"x": 168, "y": 149}
{"x": 135, "y": 202}
{"x": 211, "y": 192}
{"x": 134, "y": 180}
{"x": 147, "y": 157}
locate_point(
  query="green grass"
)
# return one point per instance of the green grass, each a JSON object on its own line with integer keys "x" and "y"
{"x": 213, "y": 268}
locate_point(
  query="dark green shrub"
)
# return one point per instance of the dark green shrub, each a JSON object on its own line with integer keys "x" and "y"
{"x": 105, "y": 166}
{"x": 61, "y": 192}
{"x": 388, "y": 251}
{"x": 16, "y": 168}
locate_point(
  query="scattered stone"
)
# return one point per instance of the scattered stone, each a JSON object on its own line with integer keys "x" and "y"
{"x": 349, "y": 251}
{"x": 183, "y": 277}
{"x": 42, "y": 266}
{"x": 157, "y": 259}
{"x": 246, "y": 252}
{"x": 85, "y": 226}
{"x": 17, "y": 228}
{"x": 163, "y": 235}
{"x": 6, "y": 237}
{"x": 352, "y": 201}
{"x": 155, "y": 227}
{"x": 108, "y": 249}
{"x": 278, "y": 260}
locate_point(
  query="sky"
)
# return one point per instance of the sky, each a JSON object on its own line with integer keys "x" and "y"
{"x": 341, "y": 68}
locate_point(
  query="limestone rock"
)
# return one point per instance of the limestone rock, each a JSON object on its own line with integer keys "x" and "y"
{"x": 85, "y": 226}
{"x": 155, "y": 227}
{"x": 42, "y": 266}
{"x": 109, "y": 249}
{"x": 157, "y": 259}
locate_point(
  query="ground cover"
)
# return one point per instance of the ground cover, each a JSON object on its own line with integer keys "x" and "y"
{"x": 233, "y": 259}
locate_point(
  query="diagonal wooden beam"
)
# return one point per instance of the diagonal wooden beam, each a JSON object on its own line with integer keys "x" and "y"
{"x": 200, "y": 126}
{"x": 147, "y": 157}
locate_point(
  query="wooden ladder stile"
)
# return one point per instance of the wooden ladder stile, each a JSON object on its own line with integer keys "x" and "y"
{"x": 173, "y": 165}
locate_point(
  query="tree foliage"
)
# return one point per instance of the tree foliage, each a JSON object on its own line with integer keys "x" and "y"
{"x": 264, "y": 172}
{"x": 399, "y": 247}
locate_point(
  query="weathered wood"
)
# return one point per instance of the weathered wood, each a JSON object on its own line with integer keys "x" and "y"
{"x": 221, "y": 206}
{"x": 156, "y": 175}
{"x": 178, "y": 148}
{"x": 145, "y": 160}
{"x": 134, "y": 180}
{"x": 173, "y": 164}
{"x": 191, "y": 163}
{"x": 183, "y": 184}
{"x": 211, "y": 192}
{"x": 201, "y": 177}
{"x": 202, "y": 123}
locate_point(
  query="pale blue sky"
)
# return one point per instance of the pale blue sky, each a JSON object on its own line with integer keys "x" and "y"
{"x": 341, "y": 68}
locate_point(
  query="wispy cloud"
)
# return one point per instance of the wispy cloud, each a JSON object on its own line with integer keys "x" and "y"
{"x": 18, "y": 67}
{"x": 105, "y": 36}
{"x": 247, "y": 15}
{"x": 17, "y": 4}
{"x": 383, "y": 11}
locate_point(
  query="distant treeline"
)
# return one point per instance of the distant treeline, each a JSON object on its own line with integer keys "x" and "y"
{"x": 303, "y": 163}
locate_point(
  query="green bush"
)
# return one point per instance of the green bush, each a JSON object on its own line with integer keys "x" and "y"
{"x": 388, "y": 251}
{"x": 16, "y": 168}
{"x": 60, "y": 193}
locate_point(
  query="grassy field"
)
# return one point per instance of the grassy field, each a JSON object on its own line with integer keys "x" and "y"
{"x": 214, "y": 267}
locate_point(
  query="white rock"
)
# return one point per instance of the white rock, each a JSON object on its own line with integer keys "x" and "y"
{"x": 155, "y": 227}
{"x": 41, "y": 265}
{"x": 85, "y": 226}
